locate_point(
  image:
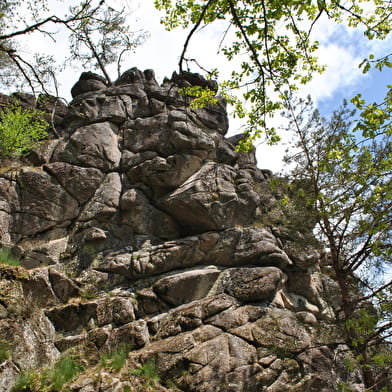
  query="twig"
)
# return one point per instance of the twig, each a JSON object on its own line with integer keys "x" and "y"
{"x": 188, "y": 38}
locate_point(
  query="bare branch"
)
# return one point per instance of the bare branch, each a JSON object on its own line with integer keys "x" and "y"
{"x": 188, "y": 38}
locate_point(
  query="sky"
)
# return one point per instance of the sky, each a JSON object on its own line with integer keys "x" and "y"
{"x": 341, "y": 50}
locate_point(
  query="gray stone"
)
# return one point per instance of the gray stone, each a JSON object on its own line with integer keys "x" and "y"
{"x": 63, "y": 287}
{"x": 232, "y": 247}
{"x": 218, "y": 357}
{"x": 235, "y": 317}
{"x": 166, "y": 173}
{"x": 44, "y": 249}
{"x": 211, "y": 200}
{"x": 251, "y": 284}
{"x": 186, "y": 286}
{"x": 43, "y": 152}
{"x": 105, "y": 202}
{"x": 73, "y": 316}
{"x": 88, "y": 81}
{"x": 278, "y": 330}
{"x": 80, "y": 182}
{"x": 134, "y": 334}
{"x": 43, "y": 202}
{"x": 94, "y": 145}
{"x": 144, "y": 218}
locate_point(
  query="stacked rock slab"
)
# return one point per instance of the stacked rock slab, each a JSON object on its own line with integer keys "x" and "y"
{"x": 139, "y": 226}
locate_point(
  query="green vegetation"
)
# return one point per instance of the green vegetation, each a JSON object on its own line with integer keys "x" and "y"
{"x": 341, "y": 182}
{"x": 64, "y": 370}
{"x": 28, "y": 381}
{"x": 148, "y": 371}
{"x": 50, "y": 379}
{"x": 115, "y": 360}
{"x": 201, "y": 96}
{"x": 7, "y": 258}
{"x": 273, "y": 49}
{"x": 20, "y": 130}
{"x": 5, "y": 350}
{"x": 89, "y": 293}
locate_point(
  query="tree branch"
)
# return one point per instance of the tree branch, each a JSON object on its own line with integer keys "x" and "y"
{"x": 53, "y": 19}
{"x": 188, "y": 38}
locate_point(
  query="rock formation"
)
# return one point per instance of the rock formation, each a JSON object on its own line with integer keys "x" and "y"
{"x": 140, "y": 225}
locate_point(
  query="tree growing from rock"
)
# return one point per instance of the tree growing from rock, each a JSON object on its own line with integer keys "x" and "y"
{"x": 342, "y": 182}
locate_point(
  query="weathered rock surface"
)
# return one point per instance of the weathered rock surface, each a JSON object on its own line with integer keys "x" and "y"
{"x": 146, "y": 215}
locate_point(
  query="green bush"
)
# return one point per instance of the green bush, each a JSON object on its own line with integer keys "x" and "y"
{"x": 20, "y": 130}
{"x": 7, "y": 258}
{"x": 115, "y": 360}
{"x": 28, "y": 381}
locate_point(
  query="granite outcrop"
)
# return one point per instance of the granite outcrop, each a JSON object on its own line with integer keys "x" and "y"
{"x": 140, "y": 224}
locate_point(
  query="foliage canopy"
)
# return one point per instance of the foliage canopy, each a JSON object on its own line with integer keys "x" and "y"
{"x": 274, "y": 43}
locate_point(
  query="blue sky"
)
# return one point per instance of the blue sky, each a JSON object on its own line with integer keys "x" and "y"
{"x": 373, "y": 89}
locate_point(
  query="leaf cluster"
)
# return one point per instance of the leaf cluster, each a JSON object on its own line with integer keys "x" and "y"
{"x": 20, "y": 130}
{"x": 274, "y": 44}
{"x": 200, "y": 96}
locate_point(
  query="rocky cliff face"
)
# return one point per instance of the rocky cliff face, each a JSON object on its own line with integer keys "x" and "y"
{"x": 138, "y": 227}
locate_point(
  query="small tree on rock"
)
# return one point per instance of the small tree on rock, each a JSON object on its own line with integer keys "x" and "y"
{"x": 348, "y": 189}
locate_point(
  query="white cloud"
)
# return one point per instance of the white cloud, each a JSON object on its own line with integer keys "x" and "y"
{"x": 342, "y": 72}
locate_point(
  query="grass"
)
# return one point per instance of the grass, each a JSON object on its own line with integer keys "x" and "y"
{"x": 65, "y": 369}
{"x": 115, "y": 360}
{"x": 88, "y": 294}
{"x": 7, "y": 258}
{"x": 5, "y": 350}
{"x": 27, "y": 381}
{"x": 148, "y": 371}
{"x": 49, "y": 379}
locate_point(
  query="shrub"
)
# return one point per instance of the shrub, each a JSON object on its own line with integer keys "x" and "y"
{"x": 20, "y": 130}
{"x": 7, "y": 258}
